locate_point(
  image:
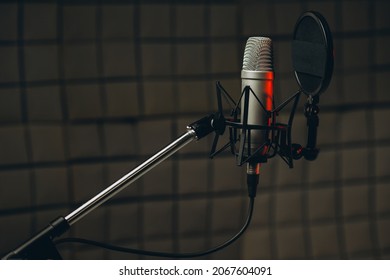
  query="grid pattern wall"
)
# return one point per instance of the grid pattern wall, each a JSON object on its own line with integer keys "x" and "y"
{"x": 90, "y": 89}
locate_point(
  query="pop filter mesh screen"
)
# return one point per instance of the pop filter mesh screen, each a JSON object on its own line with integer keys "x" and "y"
{"x": 309, "y": 55}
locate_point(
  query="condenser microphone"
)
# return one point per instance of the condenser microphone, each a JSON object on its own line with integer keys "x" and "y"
{"x": 257, "y": 73}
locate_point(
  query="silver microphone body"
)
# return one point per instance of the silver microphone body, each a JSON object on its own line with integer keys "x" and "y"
{"x": 257, "y": 72}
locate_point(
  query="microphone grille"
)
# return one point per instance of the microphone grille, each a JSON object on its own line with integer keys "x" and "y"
{"x": 258, "y": 54}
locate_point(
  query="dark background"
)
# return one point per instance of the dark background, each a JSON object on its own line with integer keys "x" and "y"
{"x": 89, "y": 89}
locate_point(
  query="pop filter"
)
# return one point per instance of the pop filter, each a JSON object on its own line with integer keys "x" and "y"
{"x": 312, "y": 53}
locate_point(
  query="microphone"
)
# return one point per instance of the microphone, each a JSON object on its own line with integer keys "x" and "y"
{"x": 257, "y": 78}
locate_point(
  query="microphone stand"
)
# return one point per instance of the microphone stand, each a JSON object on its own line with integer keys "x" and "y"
{"x": 41, "y": 245}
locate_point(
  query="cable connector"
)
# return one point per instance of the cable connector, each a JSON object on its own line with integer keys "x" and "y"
{"x": 252, "y": 181}
{"x": 252, "y": 178}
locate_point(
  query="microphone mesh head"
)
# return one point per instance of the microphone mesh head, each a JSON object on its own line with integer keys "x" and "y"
{"x": 258, "y": 54}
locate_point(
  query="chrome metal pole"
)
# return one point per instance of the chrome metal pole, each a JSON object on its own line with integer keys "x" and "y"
{"x": 132, "y": 176}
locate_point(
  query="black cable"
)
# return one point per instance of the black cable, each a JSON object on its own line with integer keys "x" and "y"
{"x": 163, "y": 254}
